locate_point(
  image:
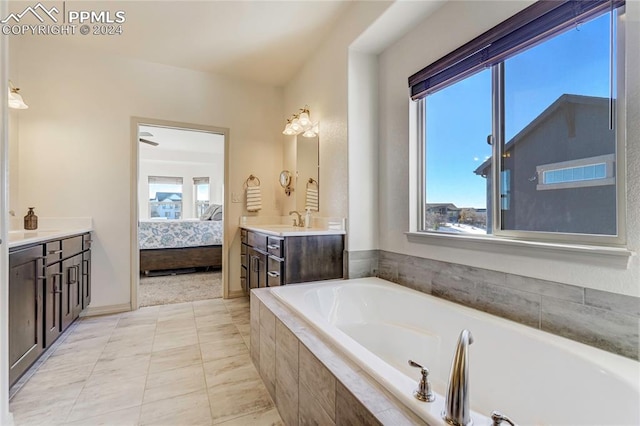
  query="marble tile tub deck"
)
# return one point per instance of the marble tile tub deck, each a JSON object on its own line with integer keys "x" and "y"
{"x": 182, "y": 364}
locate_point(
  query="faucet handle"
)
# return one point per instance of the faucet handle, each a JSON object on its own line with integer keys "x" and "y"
{"x": 423, "y": 393}
{"x": 497, "y": 418}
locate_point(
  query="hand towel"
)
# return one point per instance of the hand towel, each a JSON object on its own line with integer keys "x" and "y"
{"x": 312, "y": 199}
{"x": 254, "y": 199}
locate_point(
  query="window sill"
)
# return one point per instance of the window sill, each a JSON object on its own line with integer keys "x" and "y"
{"x": 601, "y": 255}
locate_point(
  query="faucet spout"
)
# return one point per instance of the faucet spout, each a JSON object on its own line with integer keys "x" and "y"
{"x": 456, "y": 405}
{"x": 300, "y": 219}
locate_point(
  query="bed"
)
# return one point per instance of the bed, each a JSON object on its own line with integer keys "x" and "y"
{"x": 179, "y": 244}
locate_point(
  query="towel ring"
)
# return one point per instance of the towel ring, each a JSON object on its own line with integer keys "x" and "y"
{"x": 251, "y": 179}
{"x": 312, "y": 181}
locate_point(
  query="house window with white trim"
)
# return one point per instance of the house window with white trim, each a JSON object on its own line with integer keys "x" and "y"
{"x": 201, "y": 194}
{"x": 165, "y": 197}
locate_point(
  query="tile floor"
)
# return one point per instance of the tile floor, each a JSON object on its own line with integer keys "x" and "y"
{"x": 182, "y": 364}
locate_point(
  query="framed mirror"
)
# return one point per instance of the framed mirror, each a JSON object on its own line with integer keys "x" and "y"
{"x": 307, "y": 173}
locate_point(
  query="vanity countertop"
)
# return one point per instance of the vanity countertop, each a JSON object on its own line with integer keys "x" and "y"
{"x": 23, "y": 237}
{"x": 280, "y": 230}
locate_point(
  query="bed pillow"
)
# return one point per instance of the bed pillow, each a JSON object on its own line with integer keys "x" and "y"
{"x": 213, "y": 212}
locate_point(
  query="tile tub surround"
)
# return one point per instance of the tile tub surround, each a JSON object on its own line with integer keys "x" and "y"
{"x": 602, "y": 319}
{"x": 309, "y": 378}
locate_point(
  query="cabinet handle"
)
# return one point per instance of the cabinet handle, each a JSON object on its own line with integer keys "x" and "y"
{"x": 55, "y": 251}
{"x": 273, "y": 246}
{"x": 41, "y": 277}
{"x": 41, "y": 257}
{"x": 59, "y": 274}
{"x": 273, "y": 274}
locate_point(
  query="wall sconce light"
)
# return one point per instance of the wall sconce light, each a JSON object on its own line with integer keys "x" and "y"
{"x": 15, "y": 99}
{"x": 301, "y": 123}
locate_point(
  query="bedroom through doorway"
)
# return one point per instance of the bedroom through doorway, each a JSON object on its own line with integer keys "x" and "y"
{"x": 181, "y": 173}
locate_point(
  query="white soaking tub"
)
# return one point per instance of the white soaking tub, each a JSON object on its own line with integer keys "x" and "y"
{"x": 533, "y": 377}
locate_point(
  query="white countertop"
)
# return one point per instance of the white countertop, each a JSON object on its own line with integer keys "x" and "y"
{"x": 24, "y": 237}
{"x": 292, "y": 231}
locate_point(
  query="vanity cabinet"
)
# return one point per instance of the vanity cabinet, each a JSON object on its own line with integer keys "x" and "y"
{"x": 269, "y": 261}
{"x": 49, "y": 285}
{"x": 26, "y": 278}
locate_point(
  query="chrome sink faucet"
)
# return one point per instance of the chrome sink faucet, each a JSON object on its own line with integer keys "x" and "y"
{"x": 456, "y": 405}
{"x": 300, "y": 222}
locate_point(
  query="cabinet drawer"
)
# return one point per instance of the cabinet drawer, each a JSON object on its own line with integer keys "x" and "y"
{"x": 53, "y": 251}
{"x": 258, "y": 241}
{"x": 275, "y": 270}
{"x": 243, "y": 236}
{"x": 244, "y": 260}
{"x": 72, "y": 246}
{"x": 275, "y": 246}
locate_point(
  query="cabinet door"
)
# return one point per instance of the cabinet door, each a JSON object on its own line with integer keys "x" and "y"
{"x": 26, "y": 277}
{"x": 257, "y": 269}
{"x": 71, "y": 294}
{"x": 52, "y": 303}
{"x": 86, "y": 278}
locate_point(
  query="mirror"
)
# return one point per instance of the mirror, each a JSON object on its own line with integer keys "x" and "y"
{"x": 285, "y": 181}
{"x": 307, "y": 167}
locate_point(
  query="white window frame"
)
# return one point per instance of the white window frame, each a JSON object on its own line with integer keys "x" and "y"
{"x": 584, "y": 243}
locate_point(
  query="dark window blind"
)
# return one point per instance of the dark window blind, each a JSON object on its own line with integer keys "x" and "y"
{"x": 537, "y": 22}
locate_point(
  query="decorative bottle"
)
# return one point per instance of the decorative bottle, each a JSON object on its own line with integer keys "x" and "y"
{"x": 31, "y": 220}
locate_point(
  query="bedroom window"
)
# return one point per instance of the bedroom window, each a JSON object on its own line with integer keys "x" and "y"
{"x": 201, "y": 195}
{"x": 533, "y": 103}
{"x": 165, "y": 197}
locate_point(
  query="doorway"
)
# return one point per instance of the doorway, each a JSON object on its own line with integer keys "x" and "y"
{"x": 178, "y": 238}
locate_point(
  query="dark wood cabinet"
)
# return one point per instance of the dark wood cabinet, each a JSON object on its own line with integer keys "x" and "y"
{"x": 49, "y": 285}
{"x": 269, "y": 261}
{"x": 26, "y": 278}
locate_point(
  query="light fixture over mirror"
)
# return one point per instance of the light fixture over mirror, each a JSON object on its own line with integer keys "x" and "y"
{"x": 301, "y": 123}
{"x": 15, "y": 99}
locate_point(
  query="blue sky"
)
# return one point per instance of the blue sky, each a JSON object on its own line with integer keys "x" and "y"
{"x": 459, "y": 117}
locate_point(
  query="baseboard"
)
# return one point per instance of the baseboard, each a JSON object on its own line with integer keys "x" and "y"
{"x": 236, "y": 293}
{"x": 91, "y": 311}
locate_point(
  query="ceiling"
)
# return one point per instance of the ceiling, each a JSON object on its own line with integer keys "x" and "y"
{"x": 260, "y": 41}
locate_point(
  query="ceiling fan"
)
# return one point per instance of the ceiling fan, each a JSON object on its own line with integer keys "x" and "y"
{"x": 147, "y": 141}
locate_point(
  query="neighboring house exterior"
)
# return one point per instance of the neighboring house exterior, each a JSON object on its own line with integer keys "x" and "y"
{"x": 558, "y": 173}
{"x": 447, "y": 211}
{"x": 166, "y": 205}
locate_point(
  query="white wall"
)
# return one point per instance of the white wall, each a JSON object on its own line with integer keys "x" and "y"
{"x": 322, "y": 84}
{"x": 75, "y": 146}
{"x": 449, "y": 27}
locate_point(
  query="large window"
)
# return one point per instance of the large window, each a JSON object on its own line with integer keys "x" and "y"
{"x": 520, "y": 131}
{"x": 165, "y": 197}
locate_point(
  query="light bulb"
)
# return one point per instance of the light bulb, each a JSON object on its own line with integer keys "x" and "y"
{"x": 309, "y": 134}
{"x": 304, "y": 119}
{"x": 295, "y": 125}
{"x": 288, "y": 130}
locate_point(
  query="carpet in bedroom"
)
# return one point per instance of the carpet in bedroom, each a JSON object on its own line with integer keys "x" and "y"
{"x": 167, "y": 289}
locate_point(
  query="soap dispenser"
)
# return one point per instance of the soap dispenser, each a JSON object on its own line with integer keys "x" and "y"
{"x": 31, "y": 220}
{"x": 307, "y": 218}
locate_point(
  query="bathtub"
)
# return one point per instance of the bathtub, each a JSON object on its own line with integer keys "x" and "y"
{"x": 533, "y": 377}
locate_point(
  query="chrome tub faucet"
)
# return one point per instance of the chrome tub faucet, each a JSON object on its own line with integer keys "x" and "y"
{"x": 456, "y": 405}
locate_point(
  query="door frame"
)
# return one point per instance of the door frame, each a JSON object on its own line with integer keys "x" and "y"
{"x": 134, "y": 208}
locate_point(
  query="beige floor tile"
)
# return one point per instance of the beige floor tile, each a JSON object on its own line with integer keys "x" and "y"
{"x": 174, "y": 340}
{"x": 146, "y": 311}
{"x": 213, "y": 319}
{"x": 173, "y": 383}
{"x": 49, "y": 414}
{"x": 45, "y": 379}
{"x": 216, "y": 333}
{"x": 136, "y": 321}
{"x": 105, "y": 320}
{"x": 175, "y": 358}
{"x": 79, "y": 358}
{"x": 107, "y": 394}
{"x": 237, "y": 399}
{"x": 141, "y": 346}
{"x": 209, "y": 307}
{"x": 133, "y": 334}
{"x": 84, "y": 331}
{"x": 269, "y": 417}
{"x": 73, "y": 346}
{"x": 190, "y": 409}
{"x": 126, "y": 417}
{"x": 175, "y": 325}
{"x": 213, "y": 351}
{"x": 244, "y": 329}
{"x": 123, "y": 367}
{"x": 31, "y": 396}
{"x": 229, "y": 370}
